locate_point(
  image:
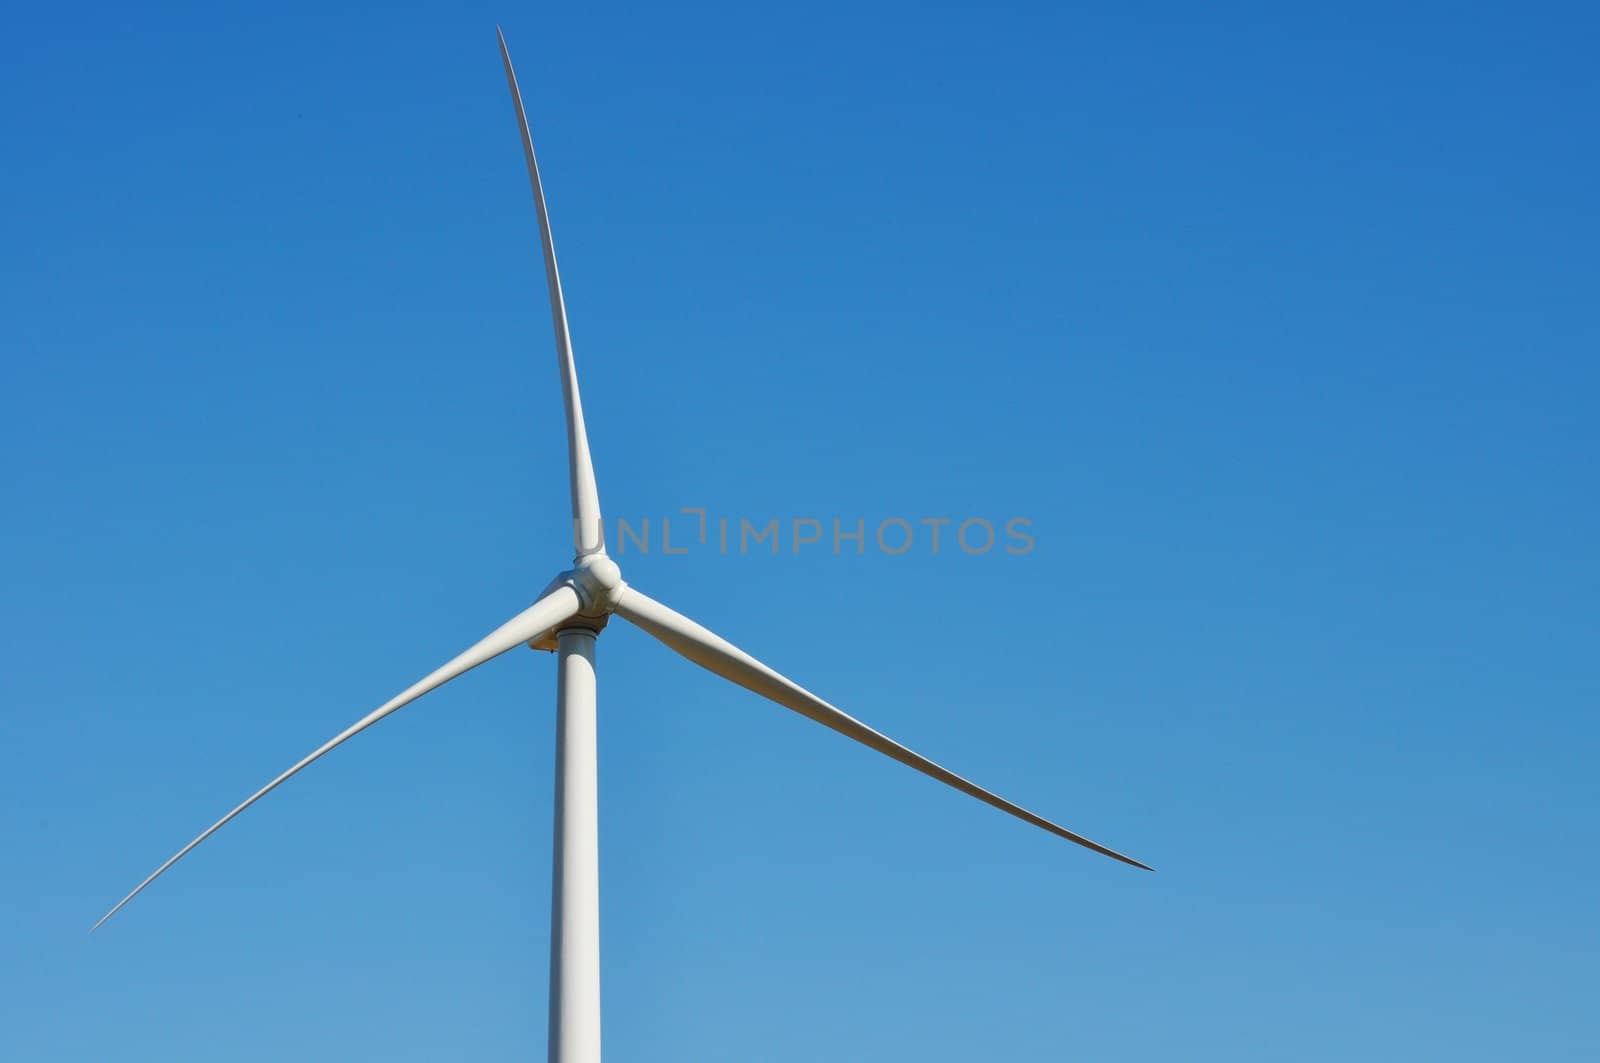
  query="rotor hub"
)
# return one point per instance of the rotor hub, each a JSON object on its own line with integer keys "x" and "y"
{"x": 598, "y": 581}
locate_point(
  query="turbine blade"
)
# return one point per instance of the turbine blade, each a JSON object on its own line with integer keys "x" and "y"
{"x": 588, "y": 533}
{"x": 717, "y": 655}
{"x": 558, "y": 605}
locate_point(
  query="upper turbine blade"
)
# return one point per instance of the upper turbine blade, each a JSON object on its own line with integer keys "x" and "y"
{"x": 718, "y": 655}
{"x": 588, "y": 534}
{"x": 558, "y": 605}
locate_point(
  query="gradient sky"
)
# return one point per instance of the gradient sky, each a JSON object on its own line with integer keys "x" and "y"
{"x": 1279, "y": 328}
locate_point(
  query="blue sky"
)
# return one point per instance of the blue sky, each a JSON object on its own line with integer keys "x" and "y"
{"x": 1278, "y": 326}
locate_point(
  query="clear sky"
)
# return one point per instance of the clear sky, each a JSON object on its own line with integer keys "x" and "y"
{"x": 1279, "y": 329}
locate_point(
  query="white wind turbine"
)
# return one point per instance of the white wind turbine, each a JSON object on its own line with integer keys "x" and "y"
{"x": 567, "y": 617}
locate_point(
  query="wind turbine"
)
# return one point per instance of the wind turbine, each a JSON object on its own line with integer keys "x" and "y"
{"x": 567, "y": 617}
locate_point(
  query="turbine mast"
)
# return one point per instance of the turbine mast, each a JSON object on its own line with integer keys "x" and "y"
{"x": 575, "y": 887}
